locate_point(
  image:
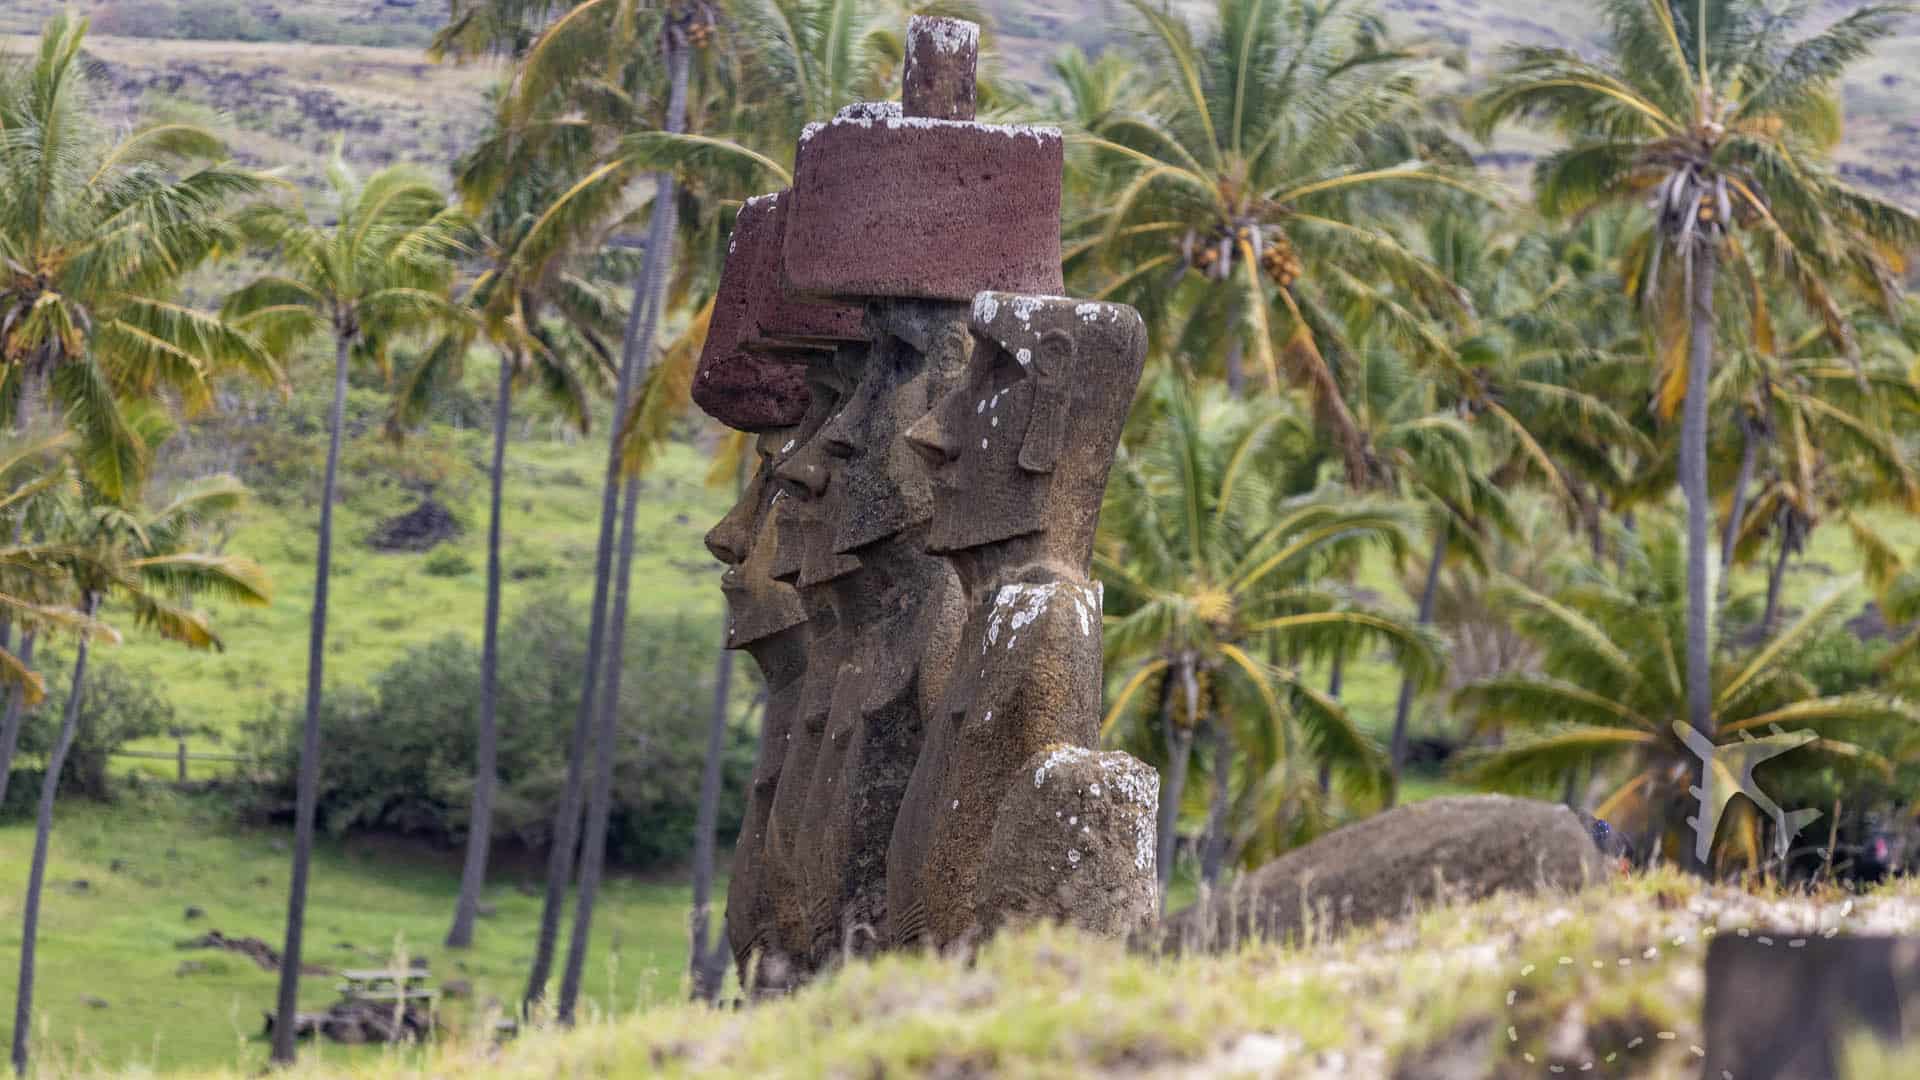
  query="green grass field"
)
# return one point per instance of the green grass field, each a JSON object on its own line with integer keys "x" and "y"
{"x": 121, "y": 878}
{"x": 385, "y": 603}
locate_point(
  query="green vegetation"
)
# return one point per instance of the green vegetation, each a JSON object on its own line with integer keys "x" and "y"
{"x": 124, "y": 874}
{"x": 1052, "y": 1004}
{"x": 1556, "y": 487}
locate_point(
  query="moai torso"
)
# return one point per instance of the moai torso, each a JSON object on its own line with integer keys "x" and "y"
{"x": 900, "y": 614}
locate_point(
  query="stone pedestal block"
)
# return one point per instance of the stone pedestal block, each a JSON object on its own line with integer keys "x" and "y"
{"x": 1073, "y": 842}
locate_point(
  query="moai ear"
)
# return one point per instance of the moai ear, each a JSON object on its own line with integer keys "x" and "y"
{"x": 1052, "y": 367}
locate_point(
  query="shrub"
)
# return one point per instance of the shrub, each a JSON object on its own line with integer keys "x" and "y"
{"x": 447, "y": 562}
{"x": 117, "y": 707}
{"x": 399, "y": 755}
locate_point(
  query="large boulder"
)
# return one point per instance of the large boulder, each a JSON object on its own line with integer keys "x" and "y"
{"x": 1449, "y": 849}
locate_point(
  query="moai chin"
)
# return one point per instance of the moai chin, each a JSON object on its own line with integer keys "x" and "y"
{"x": 1020, "y": 453}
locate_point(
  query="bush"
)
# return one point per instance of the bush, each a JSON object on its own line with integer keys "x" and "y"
{"x": 447, "y": 562}
{"x": 117, "y": 707}
{"x": 399, "y": 756}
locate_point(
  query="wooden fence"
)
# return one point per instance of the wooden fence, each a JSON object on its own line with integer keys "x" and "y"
{"x": 180, "y": 756}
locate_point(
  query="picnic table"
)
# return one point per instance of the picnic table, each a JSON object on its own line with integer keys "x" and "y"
{"x": 381, "y": 984}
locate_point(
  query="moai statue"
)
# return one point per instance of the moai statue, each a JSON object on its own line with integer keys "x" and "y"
{"x": 752, "y": 376}
{"x": 1029, "y": 821}
{"x": 913, "y": 208}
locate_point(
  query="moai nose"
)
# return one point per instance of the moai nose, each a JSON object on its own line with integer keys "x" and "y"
{"x": 727, "y": 541}
{"x": 928, "y": 436}
{"x": 804, "y": 475}
{"x": 835, "y": 439}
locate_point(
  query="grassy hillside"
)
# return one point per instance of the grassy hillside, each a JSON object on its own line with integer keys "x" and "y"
{"x": 385, "y": 602}
{"x": 115, "y": 992}
{"x": 1588, "y": 976}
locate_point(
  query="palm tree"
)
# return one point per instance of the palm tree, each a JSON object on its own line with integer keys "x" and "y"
{"x": 1821, "y": 439}
{"x": 142, "y": 561}
{"x": 96, "y": 235}
{"x": 1725, "y": 123}
{"x": 590, "y": 72}
{"x": 33, "y": 585}
{"x": 375, "y": 269}
{"x": 1611, "y": 696}
{"x": 1208, "y": 572}
{"x": 509, "y": 187}
{"x": 1241, "y": 195}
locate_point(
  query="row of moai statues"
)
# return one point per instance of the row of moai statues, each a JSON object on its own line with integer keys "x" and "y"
{"x": 910, "y": 564}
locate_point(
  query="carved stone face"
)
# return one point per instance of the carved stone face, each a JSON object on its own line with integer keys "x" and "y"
{"x": 758, "y": 606}
{"x": 971, "y": 441}
{"x": 882, "y": 489}
{"x": 1024, "y": 443}
{"x": 811, "y": 477}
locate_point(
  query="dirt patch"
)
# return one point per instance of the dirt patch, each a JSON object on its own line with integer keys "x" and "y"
{"x": 253, "y": 948}
{"x": 417, "y": 530}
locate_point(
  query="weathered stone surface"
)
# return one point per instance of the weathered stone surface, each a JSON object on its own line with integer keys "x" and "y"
{"x": 779, "y": 321}
{"x": 942, "y": 57}
{"x": 1075, "y": 844}
{"x": 743, "y": 387}
{"x": 1781, "y": 1011}
{"x": 1457, "y": 848}
{"x": 764, "y": 617}
{"x": 1016, "y": 502}
{"x": 935, "y": 674}
{"x": 932, "y": 209}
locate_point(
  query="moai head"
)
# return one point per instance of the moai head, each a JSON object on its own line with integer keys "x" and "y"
{"x": 758, "y": 606}
{"x": 810, "y": 474}
{"x": 1024, "y": 443}
{"x": 920, "y": 351}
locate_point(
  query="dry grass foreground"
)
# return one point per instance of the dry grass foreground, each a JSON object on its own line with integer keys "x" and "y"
{"x": 1611, "y": 975}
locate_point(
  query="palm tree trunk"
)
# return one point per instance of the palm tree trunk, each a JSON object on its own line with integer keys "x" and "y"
{"x": 593, "y": 851}
{"x": 1693, "y": 476}
{"x": 1404, "y": 708}
{"x": 1179, "y": 750}
{"x": 1776, "y": 578}
{"x": 1693, "y": 485}
{"x": 308, "y": 789}
{"x": 486, "y": 769}
{"x": 1214, "y": 852}
{"x": 634, "y": 347}
{"x": 1333, "y": 691}
{"x": 42, "y": 835}
{"x": 600, "y": 801}
{"x": 10, "y": 724}
{"x": 706, "y": 974}
{"x": 1738, "y": 513}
